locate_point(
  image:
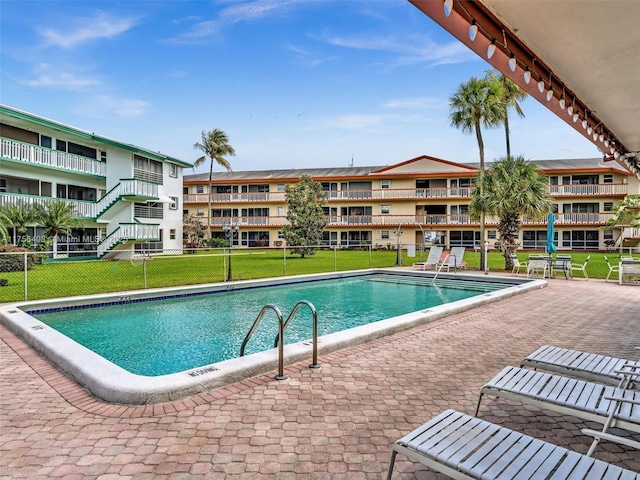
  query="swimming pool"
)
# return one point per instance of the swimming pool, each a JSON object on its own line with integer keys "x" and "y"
{"x": 136, "y": 324}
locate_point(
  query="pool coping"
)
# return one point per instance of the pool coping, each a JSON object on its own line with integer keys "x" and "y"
{"x": 113, "y": 384}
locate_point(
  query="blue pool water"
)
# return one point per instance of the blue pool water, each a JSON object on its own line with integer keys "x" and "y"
{"x": 163, "y": 336}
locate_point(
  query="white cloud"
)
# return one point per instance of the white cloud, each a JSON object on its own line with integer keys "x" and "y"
{"x": 415, "y": 103}
{"x": 237, "y": 12}
{"x": 46, "y": 76}
{"x": 411, "y": 50}
{"x": 83, "y": 30}
{"x": 103, "y": 106}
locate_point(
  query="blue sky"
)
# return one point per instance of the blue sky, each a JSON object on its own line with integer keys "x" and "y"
{"x": 293, "y": 83}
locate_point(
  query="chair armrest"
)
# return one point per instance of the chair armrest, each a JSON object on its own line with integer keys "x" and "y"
{"x": 627, "y": 373}
{"x": 612, "y": 438}
{"x": 621, "y": 399}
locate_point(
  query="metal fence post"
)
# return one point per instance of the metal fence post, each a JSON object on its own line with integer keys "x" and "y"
{"x": 284, "y": 258}
{"x": 25, "y": 277}
{"x": 335, "y": 258}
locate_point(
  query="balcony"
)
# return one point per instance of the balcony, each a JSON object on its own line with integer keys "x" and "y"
{"x": 46, "y": 157}
{"x": 82, "y": 208}
{"x": 588, "y": 190}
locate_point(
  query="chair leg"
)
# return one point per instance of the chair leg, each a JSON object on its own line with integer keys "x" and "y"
{"x": 478, "y": 405}
{"x": 391, "y": 463}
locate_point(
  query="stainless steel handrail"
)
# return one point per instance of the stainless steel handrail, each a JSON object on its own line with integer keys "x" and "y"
{"x": 263, "y": 310}
{"x": 315, "y": 363}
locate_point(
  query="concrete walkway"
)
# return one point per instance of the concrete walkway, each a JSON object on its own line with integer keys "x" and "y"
{"x": 334, "y": 423}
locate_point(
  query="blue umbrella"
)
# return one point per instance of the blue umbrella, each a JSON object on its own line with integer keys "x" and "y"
{"x": 551, "y": 246}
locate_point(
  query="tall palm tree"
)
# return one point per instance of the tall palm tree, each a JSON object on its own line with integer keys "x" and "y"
{"x": 57, "y": 216}
{"x": 477, "y": 103}
{"x": 215, "y": 145}
{"x": 512, "y": 94}
{"x": 511, "y": 188}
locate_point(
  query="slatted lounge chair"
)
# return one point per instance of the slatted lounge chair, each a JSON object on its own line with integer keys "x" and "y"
{"x": 517, "y": 264}
{"x": 612, "y": 268}
{"x": 432, "y": 259}
{"x": 538, "y": 264}
{"x": 465, "y": 447}
{"x": 455, "y": 259}
{"x": 568, "y": 396}
{"x": 590, "y": 366}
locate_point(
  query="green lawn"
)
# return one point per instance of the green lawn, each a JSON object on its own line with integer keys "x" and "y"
{"x": 58, "y": 279}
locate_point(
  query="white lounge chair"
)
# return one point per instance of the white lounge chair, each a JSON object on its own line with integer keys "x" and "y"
{"x": 455, "y": 259}
{"x": 538, "y": 264}
{"x": 432, "y": 259}
{"x": 590, "y": 366}
{"x": 464, "y": 447}
{"x": 581, "y": 267}
{"x": 586, "y": 400}
{"x": 517, "y": 264}
{"x": 612, "y": 268}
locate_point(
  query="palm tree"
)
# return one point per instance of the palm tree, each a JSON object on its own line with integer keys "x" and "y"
{"x": 5, "y": 224}
{"x": 512, "y": 94}
{"x": 21, "y": 216}
{"x": 214, "y": 144}
{"x": 57, "y": 216}
{"x": 511, "y": 188}
{"x": 477, "y": 103}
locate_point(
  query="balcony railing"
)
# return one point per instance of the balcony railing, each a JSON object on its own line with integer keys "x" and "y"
{"x": 129, "y": 232}
{"x": 588, "y": 190}
{"x": 607, "y": 189}
{"x": 390, "y": 221}
{"x": 34, "y": 154}
{"x": 126, "y": 188}
{"x": 82, "y": 209}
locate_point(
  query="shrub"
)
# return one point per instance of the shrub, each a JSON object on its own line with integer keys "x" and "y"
{"x": 15, "y": 263}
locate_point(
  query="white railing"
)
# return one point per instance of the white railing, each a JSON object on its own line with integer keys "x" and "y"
{"x": 126, "y": 188}
{"x": 129, "y": 232}
{"x": 34, "y": 154}
{"x": 588, "y": 189}
{"x": 82, "y": 209}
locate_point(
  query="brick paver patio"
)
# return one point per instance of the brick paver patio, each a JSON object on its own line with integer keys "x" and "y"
{"x": 334, "y": 423}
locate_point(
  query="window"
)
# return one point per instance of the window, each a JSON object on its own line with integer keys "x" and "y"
{"x": 199, "y": 188}
{"x": 174, "y": 203}
{"x": 491, "y": 234}
{"x": 173, "y": 170}
{"x": 3, "y": 185}
{"x": 172, "y": 234}
{"x": 185, "y": 190}
{"x": 45, "y": 141}
{"x": 103, "y": 155}
{"x": 146, "y": 169}
{"x": 281, "y": 187}
{"x": 607, "y": 206}
{"x": 385, "y": 209}
{"x": 385, "y": 183}
{"x": 185, "y": 212}
{"x": 385, "y": 234}
{"x": 581, "y": 239}
{"x": 200, "y": 212}
{"x": 607, "y": 178}
{"x": 281, "y": 211}
{"x": 61, "y": 145}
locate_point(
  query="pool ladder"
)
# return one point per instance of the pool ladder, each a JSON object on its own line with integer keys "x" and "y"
{"x": 282, "y": 325}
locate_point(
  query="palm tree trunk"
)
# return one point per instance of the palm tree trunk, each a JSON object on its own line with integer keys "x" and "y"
{"x": 506, "y": 132}
{"x": 482, "y": 216}
{"x": 209, "y": 233}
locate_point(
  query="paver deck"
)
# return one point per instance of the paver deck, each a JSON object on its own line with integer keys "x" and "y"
{"x": 338, "y": 422}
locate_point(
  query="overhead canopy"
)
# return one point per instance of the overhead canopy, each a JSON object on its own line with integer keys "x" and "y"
{"x": 586, "y": 52}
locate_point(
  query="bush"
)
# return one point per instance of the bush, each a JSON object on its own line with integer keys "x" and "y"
{"x": 15, "y": 263}
{"x": 217, "y": 242}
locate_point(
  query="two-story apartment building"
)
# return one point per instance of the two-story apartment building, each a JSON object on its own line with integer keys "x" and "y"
{"x": 127, "y": 198}
{"x": 426, "y": 196}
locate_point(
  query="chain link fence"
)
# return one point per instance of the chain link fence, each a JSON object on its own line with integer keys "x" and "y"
{"x": 37, "y": 275}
